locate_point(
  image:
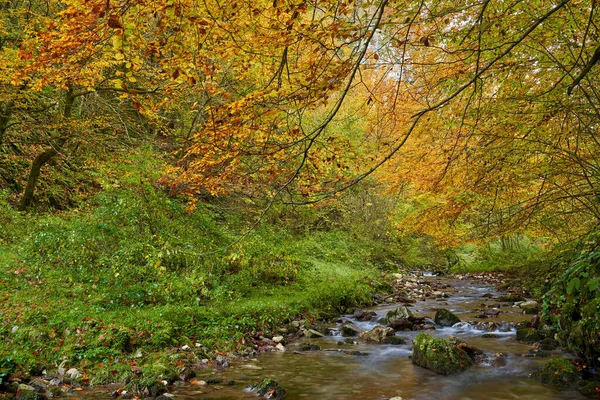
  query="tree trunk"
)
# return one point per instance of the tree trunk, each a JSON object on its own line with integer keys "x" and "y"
{"x": 34, "y": 174}
{"x": 45, "y": 156}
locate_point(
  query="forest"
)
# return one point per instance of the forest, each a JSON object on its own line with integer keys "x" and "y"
{"x": 187, "y": 186}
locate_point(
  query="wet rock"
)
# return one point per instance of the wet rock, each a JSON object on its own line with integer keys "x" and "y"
{"x": 439, "y": 355}
{"x": 377, "y": 334}
{"x": 156, "y": 389}
{"x": 362, "y": 315}
{"x": 267, "y": 341}
{"x": 309, "y": 347}
{"x": 511, "y": 298}
{"x": 349, "y": 329}
{"x": 528, "y": 335}
{"x": 444, "y": 317}
{"x": 499, "y": 361}
{"x": 473, "y": 352}
{"x": 558, "y": 372}
{"x": 537, "y": 351}
{"x": 40, "y": 385}
{"x": 492, "y": 312}
{"x": 187, "y": 374}
{"x": 487, "y": 296}
{"x": 213, "y": 381}
{"x": 486, "y": 326}
{"x": 529, "y": 304}
{"x": 531, "y": 310}
{"x": 311, "y": 333}
{"x": 26, "y": 388}
{"x": 490, "y": 336}
{"x": 270, "y": 388}
{"x": 280, "y": 347}
{"x": 523, "y": 324}
{"x": 395, "y": 340}
{"x": 356, "y": 353}
{"x": 428, "y": 327}
{"x": 535, "y": 321}
{"x": 401, "y": 318}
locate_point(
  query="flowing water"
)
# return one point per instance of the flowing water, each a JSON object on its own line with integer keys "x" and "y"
{"x": 387, "y": 370}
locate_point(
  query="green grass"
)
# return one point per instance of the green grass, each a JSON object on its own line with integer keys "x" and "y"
{"x": 494, "y": 257}
{"x": 123, "y": 279}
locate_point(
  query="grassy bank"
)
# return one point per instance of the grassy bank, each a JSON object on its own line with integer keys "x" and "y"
{"x": 133, "y": 273}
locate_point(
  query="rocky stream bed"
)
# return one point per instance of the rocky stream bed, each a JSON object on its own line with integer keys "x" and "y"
{"x": 434, "y": 338}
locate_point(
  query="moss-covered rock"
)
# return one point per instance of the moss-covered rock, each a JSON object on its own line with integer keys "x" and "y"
{"x": 444, "y": 317}
{"x": 511, "y": 298}
{"x": 588, "y": 387}
{"x": 558, "y": 372}
{"x": 269, "y": 388}
{"x": 528, "y": 335}
{"x": 439, "y": 355}
{"x": 549, "y": 344}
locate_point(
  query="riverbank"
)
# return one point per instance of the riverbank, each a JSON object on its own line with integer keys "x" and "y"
{"x": 122, "y": 290}
{"x": 320, "y": 352}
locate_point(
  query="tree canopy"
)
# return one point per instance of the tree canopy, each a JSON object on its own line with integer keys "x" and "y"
{"x": 482, "y": 113}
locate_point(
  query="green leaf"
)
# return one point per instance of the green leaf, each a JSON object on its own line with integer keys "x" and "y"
{"x": 593, "y": 284}
{"x": 573, "y": 285}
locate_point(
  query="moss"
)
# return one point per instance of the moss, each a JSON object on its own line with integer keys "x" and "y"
{"x": 558, "y": 372}
{"x": 511, "y": 298}
{"x": 528, "y": 335}
{"x": 269, "y": 388}
{"x": 588, "y": 387}
{"x": 439, "y": 355}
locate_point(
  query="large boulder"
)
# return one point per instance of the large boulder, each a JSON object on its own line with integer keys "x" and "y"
{"x": 558, "y": 372}
{"x": 377, "y": 334}
{"x": 444, "y": 317}
{"x": 439, "y": 355}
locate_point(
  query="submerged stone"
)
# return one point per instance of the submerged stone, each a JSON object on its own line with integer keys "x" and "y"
{"x": 395, "y": 340}
{"x": 309, "y": 347}
{"x": 439, "y": 355}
